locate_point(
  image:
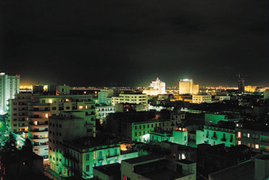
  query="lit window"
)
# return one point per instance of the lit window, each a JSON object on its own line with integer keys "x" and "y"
{"x": 35, "y": 122}
{"x": 94, "y": 155}
{"x": 86, "y": 107}
{"x": 46, "y": 115}
{"x": 239, "y": 142}
{"x": 183, "y": 156}
{"x": 80, "y": 107}
{"x": 50, "y": 101}
{"x": 239, "y": 135}
{"x": 248, "y": 135}
{"x": 257, "y": 146}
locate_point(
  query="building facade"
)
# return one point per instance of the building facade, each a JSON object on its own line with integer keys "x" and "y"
{"x": 18, "y": 114}
{"x": 132, "y": 99}
{"x": 9, "y": 86}
{"x": 187, "y": 86}
{"x": 199, "y": 98}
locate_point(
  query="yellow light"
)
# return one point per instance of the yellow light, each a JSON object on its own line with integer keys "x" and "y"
{"x": 80, "y": 107}
{"x": 239, "y": 135}
{"x": 257, "y": 146}
{"x": 50, "y": 101}
{"x": 239, "y": 142}
{"x": 46, "y": 115}
{"x": 35, "y": 122}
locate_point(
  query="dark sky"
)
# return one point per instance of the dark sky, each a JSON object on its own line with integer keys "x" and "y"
{"x": 130, "y": 43}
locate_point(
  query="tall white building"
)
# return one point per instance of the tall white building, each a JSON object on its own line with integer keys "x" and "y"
{"x": 158, "y": 84}
{"x": 156, "y": 87}
{"x": 9, "y": 86}
{"x": 186, "y": 86}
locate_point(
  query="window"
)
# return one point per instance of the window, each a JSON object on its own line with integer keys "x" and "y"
{"x": 239, "y": 142}
{"x": 87, "y": 168}
{"x": 239, "y": 135}
{"x": 87, "y": 157}
{"x": 94, "y": 155}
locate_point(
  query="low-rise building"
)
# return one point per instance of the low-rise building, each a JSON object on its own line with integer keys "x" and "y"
{"x": 83, "y": 154}
{"x": 253, "y": 135}
{"x": 132, "y": 99}
{"x": 201, "y": 98}
{"x": 102, "y": 112}
{"x": 223, "y": 133}
{"x": 153, "y": 167}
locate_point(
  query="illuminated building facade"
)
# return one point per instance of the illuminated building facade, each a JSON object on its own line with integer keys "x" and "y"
{"x": 103, "y": 97}
{"x": 67, "y": 126}
{"x": 18, "y": 114}
{"x": 43, "y": 106}
{"x": 132, "y": 99}
{"x": 177, "y": 136}
{"x": 217, "y": 135}
{"x": 255, "y": 136}
{"x": 141, "y": 130}
{"x": 9, "y": 86}
{"x": 81, "y": 155}
{"x": 158, "y": 84}
{"x": 102, "y": 112}
{"x": 187, "y": 86}
{"x": 250, "y": 88}
{"x": 200, "y": 98}
{"x": 213, "y": 118}
{"x": 155, "y": 88}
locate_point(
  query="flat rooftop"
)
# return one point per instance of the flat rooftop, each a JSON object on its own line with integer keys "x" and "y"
{"x": 143, "y": 159}
{"x": 244, "y": 171}
{"x": 162, "y": 174}
{"x": 110, "y": 170}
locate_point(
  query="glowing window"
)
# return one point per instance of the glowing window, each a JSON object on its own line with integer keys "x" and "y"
{"x": 248, "y": 135}
{"x": 80, "y": 107}
{"x": 257, "y": 146}
{"x": 46, "y": 115}
{"x": 94, "y": 155}
{"x": 86, "y": 107}
{"x": 35, "y": 122}
{"x": 183, "y": 156}
{"x": 50, "y": 101}
{"x": 239, "y": 142}
{"x": 239, "y": 135}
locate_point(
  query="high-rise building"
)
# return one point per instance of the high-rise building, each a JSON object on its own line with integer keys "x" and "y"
{"x": 187, "y": 86}
{"x": 155, "y": 88}
{"x": 44, "y": 106}
{"x": 158, "y": 84}
{"x": 9, "y": 86}
{"x": 18, "y": 114}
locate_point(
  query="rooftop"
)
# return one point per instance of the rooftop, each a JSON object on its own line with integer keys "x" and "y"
{"x": 143, "y": 159}
{"x": 243, "y": 171}
{"x": 110, "y": 170}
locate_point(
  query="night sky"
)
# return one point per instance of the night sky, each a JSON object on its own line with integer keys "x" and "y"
{"x": 130, "y": 43}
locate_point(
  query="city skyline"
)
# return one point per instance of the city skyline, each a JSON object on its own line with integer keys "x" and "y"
{"x": 123, "y": 43}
